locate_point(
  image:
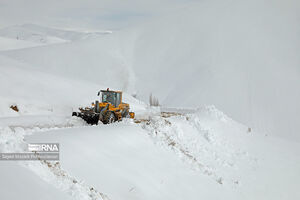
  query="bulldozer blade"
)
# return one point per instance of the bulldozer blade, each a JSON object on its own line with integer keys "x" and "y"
{"x": 88, "y": 118}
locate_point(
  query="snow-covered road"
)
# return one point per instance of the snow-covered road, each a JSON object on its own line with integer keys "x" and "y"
{"x": 181, "y": 156}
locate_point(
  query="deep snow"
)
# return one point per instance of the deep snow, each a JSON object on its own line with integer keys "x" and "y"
{"x": 164, "y": 156}
{"x": 241, "y": 57}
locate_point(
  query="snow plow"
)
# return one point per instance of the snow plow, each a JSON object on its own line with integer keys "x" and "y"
{"x": 110, "y": 109}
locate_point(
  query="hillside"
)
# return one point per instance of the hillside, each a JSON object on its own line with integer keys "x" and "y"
{"x": 226, "y": 75}
{"x": 242, "y": 57}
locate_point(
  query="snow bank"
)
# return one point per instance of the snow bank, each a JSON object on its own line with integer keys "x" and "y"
{"x": 229, "y": 153}
{"x": 123, "y": 163}
{"x": 161, "y": 157}
{"x": 12, "y": 141}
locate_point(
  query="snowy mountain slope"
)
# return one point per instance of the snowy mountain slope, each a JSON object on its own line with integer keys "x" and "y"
{"x": 46, "y": 35}
{"x": 43, "y": 86}
{"x": 205, "y": 149}
{"x": 130, "y": 134}
{"x": 124, "y": 163}
{"x": 230, "y": 153}
{"x": 35, "y": 91}
{"x": 240, "y": 56}
{"x": 39, "y": 93}
{"x": 218, "y": 154}
{"x": 9, "y": 44}
{"x": 12, "y": 140}
{"x": 98, "y": 60}
{"x": 228, "y": 159}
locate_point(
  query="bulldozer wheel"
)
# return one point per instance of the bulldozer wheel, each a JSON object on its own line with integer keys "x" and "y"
{"x": 109, "y": 117}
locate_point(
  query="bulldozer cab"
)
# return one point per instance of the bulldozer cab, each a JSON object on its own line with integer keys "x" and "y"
{"x": 113, "y": 97}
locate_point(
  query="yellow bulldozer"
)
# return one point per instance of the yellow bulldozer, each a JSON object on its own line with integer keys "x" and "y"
{"x": 108, "y": 110}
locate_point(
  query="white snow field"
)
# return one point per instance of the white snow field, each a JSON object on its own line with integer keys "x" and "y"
{"x": 162, "y": 157}
{"x": 240, "y": 57}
